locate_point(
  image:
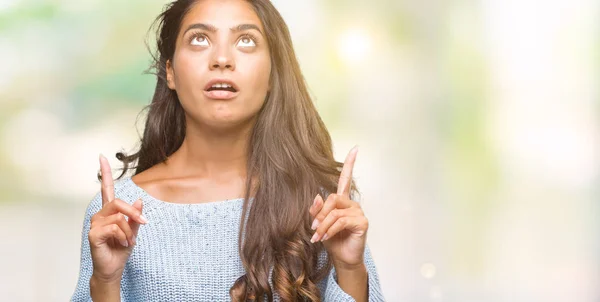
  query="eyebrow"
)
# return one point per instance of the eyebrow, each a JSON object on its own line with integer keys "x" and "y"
{"x": 212, "y": 28}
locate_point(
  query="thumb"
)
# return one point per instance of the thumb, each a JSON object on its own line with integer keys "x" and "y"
{"x": 138, "y": 204}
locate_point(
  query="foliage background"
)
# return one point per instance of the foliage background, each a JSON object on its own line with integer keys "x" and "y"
{"x": 477, "y": 123}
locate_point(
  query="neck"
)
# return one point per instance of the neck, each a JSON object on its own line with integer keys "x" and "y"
{"x": 211, "y": 153}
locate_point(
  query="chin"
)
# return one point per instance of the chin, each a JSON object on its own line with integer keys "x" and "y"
{"x": 224, "y": 115}
{"x": 226, "y": 121}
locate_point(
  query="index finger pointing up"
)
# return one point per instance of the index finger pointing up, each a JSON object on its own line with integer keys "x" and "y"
{"x": 346, "y": 175}
{"x": 108, "y": 189}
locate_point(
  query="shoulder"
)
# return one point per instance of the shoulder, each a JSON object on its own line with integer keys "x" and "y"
{"x": 151, "y": 175}
{"x": 152, "y": 179}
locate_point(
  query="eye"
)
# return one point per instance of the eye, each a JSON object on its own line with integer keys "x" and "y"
{"x": 246, "y": 41}
{"x": 199, "y": 40}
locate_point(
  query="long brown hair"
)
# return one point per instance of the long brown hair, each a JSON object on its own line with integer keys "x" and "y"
{"x": 290, "y": 160}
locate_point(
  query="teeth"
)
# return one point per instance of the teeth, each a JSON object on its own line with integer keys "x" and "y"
{"x": 221, "y": 85}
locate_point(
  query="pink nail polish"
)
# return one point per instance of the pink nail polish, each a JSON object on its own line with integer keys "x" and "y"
{"x": 143, "y": 219}
{"x": 314, "y": 238}
{"x": 315, "y": 224}
{"x": 325, "y": 237}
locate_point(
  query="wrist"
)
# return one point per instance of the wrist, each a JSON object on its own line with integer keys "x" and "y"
{"x": 103, "y": 289}
{"x": 349, "y": 267}
{"x": 344, "y": 268}
{"x": 107, "y": 279}
{"x": 353, "y": 280}
{"x": 102, "y": 280}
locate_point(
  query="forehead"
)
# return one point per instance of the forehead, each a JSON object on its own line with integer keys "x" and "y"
{"x": 222, "y": 14}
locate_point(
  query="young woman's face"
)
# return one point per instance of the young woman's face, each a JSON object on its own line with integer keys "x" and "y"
{"x": 220, "y": 42}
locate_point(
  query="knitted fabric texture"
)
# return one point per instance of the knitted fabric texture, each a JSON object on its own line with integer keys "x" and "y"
{"x": 188, "y": 252}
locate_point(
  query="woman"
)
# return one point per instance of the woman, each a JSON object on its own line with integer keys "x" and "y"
{"x": 231, "y": 132}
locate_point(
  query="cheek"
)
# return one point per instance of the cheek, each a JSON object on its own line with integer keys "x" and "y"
{"x": 190, "y": 69}
{"x": 259, "y": 74}
{"x": 187, "y": 71}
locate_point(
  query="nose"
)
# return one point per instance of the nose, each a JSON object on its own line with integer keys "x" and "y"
{"x": 222, "y": 59}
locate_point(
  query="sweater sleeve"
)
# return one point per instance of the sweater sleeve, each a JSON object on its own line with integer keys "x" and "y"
{"x": 333, "y": 292}
{"x": 82, "y": 289}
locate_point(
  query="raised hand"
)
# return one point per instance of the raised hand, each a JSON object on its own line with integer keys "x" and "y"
{"x": 112, "y": 236}
{"x": 340, "y": 222}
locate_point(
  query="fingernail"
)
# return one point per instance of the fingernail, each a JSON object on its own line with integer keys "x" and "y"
{"x": 325, "y": 237}
{"x": 143, "y": 219}
{"x": 315, "y": 224}
{"x": 124, "y": 243}
{"x": 134, "y": 240}
{"x": 315, "y": 200}
{"x": 314, "y": 238}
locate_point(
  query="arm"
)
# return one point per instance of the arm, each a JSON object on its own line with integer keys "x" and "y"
{"x": 356, "y": 278}
{"x": 89, "y": 288}
{"x": 354, "y": 282}
{"x": 105, "y": 290}
{"x": 338, "y": 286}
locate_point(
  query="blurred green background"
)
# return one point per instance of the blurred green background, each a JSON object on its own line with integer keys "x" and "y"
{"x": 477, "y": 123}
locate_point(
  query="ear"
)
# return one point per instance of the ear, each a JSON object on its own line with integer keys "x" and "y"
{"x": 170, "y": 75}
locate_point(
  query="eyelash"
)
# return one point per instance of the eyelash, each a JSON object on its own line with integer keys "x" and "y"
{"x": 251, "y": 37}
{"x": 246, "y": 35}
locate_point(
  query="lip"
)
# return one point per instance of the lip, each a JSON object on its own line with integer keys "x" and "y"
{"x": 220, "y": 94}
{"x": 220, "y": 80}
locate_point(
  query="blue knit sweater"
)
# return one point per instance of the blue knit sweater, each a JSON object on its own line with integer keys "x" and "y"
{"x": 187, "y": 252}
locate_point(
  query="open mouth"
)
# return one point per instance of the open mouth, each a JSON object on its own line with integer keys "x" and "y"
{"x": 221, "y": 87}
{"x": 221, "y": 90}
